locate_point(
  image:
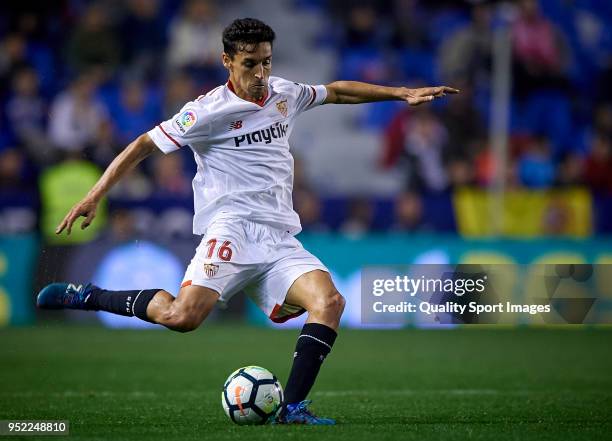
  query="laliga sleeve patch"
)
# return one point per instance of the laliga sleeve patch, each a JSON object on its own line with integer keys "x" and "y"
{"x": 185, "y": 121}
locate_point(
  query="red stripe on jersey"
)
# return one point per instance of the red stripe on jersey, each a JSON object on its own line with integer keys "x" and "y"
{"x": 169, "y": 137}
{"x": 314, "y": 96}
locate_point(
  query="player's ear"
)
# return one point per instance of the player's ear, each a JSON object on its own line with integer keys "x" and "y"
{"x": 227, "y": 61}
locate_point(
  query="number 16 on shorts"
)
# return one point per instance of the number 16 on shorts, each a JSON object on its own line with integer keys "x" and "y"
{"x": 224, "y": 252}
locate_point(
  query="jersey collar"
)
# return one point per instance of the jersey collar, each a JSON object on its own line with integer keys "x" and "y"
{"x": 260, "y": 102}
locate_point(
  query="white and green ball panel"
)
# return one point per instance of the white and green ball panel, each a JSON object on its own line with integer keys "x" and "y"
{"x": 259, "y": 392}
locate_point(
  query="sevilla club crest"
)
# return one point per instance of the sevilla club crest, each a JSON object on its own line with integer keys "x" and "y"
{"x": 281, "y": 106}
{"x": 210, "y": 269}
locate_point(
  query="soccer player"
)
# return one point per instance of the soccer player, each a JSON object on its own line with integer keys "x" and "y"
{"x": 239, "y": 135}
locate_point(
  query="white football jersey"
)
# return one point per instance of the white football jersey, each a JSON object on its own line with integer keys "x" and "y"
{"x": 241, "y": 148}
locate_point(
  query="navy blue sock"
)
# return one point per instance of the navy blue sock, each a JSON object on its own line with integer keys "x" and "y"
{"x": 313, "y": 345}
{"x": 128, "y": 303}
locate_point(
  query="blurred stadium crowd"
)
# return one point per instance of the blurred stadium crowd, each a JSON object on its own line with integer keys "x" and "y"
{"x": 80, "y": 79}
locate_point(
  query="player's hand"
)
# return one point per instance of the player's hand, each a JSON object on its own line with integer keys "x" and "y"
{"x": 414, "y": 97}
{"x": 86, "y": 208}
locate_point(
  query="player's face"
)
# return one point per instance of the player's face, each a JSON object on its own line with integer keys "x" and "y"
{"x": 250, "y": 70}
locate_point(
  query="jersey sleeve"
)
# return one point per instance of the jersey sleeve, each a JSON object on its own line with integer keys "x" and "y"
{"x": 187, "y": 126}
{"x": 309, "y": 96}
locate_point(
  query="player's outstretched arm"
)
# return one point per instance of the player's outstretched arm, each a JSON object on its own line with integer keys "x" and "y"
{"x": 125, "y": 161}
{"x": 355, "y": 92}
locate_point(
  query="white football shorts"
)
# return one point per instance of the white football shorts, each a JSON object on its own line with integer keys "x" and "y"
{"x": 237, "y": 255}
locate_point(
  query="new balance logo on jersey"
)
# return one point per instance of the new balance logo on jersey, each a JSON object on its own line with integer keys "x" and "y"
{"x": 275, "y": 131}
{"x": 235, "y": 125}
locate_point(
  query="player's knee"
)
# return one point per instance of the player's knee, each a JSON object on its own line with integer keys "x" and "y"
{"x": 330, "y": 305}
{"x": 340, "y": 303}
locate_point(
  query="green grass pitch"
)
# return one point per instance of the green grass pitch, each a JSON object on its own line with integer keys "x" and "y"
{"x": 381, "y": 385}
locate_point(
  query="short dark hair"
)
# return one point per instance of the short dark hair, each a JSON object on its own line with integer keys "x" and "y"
{"x": 245, "y": 31}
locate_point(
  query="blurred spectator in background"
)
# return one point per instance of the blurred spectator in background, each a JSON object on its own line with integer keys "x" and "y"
{"x": 409, "y": 25}
{"x": 359, "y": 219}
{"x": 106, "y": 146}
{"x": 135, "y": 186}
{"x": 603, "y": 120}
{"x": 464, "y": 124}
{"x": 598, "y": 166}
{"x": 539, "y": 55}
{"x": 18, "y": 200}
{"x": 77, "y": 116}
{"x": 425, "y": 145}
{"x": 557, "y": 219}
{"x": 360, "y": 54}
{"x": 570, "y": 170}
{"x": 587, "y": 26}
{"x": 394, "y": 134}
{"x": 484, "y": 164}
{"x": 13, "y": 57}
{"x": 11, "y": 169}
{"x": 536, "y": 166}
{"x": 417, "y": 140}
{"x": 143, "y": 37}
{"x": 195, "y": 43}
{"x": 460, "y": 172}
{"x": 362, "y": 28}
{"x": 135, "y": 111}
{"x": 306, "y": 202}
{"x": 511, "y": 175}
{"x": 300, "y": 179}
{"x": 308, "y": 206}
{"x": 38, "y": 23}
{"x": 60, "y": 185}
{"x": 180, "y": 88}
{"x": 94, "y": 43}
{"x": 368, "y": 64}
{"x": 121, "y": 227}
{"x": 409, "y": 213}
{"x": 26, "y": 113}
{"x": 169, "y": 176}
{"x": 466, "y": 53}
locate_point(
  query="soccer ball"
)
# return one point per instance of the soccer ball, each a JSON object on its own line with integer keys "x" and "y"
{"x": 251, "y": 395}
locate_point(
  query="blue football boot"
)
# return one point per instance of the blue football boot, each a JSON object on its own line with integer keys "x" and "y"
{"x": 300, "y": 414}
{"x": 64, "y": 295}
